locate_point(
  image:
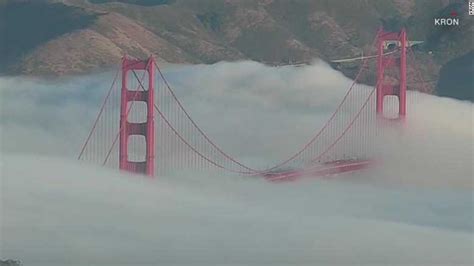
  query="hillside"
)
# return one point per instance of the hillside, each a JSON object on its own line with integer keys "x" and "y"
{"x": 56, "y": 37}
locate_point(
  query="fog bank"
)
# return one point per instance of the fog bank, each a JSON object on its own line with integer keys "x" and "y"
{"x": 414, "y": 208}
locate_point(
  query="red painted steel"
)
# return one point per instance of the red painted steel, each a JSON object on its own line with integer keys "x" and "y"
{"x": 248, "y": 170}
{"x": 145, "y": 129}
{"x": 319, "y": 157}
{"x": 385, "y": 62}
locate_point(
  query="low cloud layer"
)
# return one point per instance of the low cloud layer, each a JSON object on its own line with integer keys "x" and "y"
{"x": 415, "y": 208}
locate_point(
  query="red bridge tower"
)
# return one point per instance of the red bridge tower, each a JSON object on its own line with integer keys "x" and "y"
{"x": 387, "y": 60}
{"x": 145, "y": 94}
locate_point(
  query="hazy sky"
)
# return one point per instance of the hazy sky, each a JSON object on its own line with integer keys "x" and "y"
{"x": 416, "y": 208}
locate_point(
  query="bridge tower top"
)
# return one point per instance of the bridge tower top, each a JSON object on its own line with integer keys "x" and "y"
{"x": 388, "y": 61}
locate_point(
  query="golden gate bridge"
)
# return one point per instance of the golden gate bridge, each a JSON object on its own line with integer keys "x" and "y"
{"x": 142, "y": 126}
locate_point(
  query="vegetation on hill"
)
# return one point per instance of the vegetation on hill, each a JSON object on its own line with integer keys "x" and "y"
{"x": 54, "y": 37}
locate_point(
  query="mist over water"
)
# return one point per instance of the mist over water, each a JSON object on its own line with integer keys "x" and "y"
{"x": 415, "y": 208}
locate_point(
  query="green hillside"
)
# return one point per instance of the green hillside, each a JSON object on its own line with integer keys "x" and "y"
{"x": 55, "y": 37}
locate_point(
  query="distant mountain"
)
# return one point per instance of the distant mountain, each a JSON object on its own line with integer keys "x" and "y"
{"x": 456, "y": 78}
{"x": 56, "y": 37}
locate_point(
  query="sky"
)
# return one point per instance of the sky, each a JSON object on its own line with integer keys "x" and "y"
{"x": 416, "y": 208}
